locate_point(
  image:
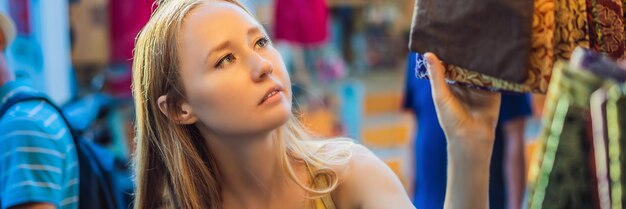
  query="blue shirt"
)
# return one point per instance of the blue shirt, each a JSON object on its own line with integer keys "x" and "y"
{"x": 431, "y": 147}
{"x": 38, "y": 160}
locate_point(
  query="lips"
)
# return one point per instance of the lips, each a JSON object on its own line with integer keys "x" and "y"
{"x": 271, "y": 92}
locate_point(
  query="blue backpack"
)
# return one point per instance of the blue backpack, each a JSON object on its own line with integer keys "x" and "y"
{"x": 102, "y": 176}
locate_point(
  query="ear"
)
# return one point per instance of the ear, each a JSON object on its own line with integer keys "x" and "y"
{"x": 185, "y": 117}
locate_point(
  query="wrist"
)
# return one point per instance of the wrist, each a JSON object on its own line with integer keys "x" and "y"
{"x": 470, "y": 152}
{"x": 466, "y": 160}
{"x": 468, "y": 180}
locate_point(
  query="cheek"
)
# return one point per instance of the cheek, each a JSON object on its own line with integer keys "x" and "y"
{"x": 226, "y": 102}
{"x": 234, "y": 112}
{"x": 287, "y": 86}
{"x": 219, "y": 104}
{"x": 280, "y": 71}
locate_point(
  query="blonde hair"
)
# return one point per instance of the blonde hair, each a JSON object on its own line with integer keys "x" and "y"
{"x": 171, "y": 161}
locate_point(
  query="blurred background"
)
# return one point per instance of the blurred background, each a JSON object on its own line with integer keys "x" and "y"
{"x": 349, "y": 76}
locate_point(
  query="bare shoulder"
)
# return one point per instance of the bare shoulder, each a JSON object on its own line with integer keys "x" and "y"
{"x": 362, "y": 160}
{"x": 363, "y": 165}
{"x": 367, "y": 182}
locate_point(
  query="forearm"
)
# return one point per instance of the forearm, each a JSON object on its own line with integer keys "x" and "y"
{"x": 468, "y": 177}
{"x": 468, "y": 119}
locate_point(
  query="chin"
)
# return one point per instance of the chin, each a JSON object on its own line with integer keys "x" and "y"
{"x": 276, "y": 119}
{"x": 261, "y": 122}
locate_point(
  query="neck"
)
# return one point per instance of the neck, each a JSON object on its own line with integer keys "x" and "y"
{"x": 249, "y": 165}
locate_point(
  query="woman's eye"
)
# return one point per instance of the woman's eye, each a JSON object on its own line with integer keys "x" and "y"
{"x": 228, "y": 59}
{"x": 262, "y": 42}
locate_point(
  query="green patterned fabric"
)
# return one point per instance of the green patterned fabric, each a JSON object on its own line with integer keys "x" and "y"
{"x": 564, "y": 179}
{"x": 616, "y": 121}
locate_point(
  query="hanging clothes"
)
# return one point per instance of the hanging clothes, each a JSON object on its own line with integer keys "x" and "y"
{"x": 126, "y": 19}
{"x": 598, "y": 64}
{"x": 558, "y": 27}
{"x": 606, "y": 27}
{"x": 303, "y": 22}
{"x": 571, "y": 27}
{"x": 541, "y": 59}
{"x": 566, "y": 183}
{"x": 579, "y": 163}
{"x": 488, "y": 36}
{"x": 598, "y": 117}
{"x": 616, "y": 123}
{"x": 607, "y": 141}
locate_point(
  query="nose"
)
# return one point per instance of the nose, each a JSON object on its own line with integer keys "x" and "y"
{"x": 261, "y": 67}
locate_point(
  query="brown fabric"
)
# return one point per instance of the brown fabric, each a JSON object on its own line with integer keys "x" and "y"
{"x": 624, "y": 21}
{"x": 491, "y": 37}
{"x": 541, "y": 58}
{"x": 594, "y": 33}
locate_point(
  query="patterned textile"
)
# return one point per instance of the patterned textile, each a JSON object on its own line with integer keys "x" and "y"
{"x": 616, "y": 122}
{"x": 593, "y": 31}
{"x": 558, "y": 27}
{"x": 571, "y": 28}
{"x": 488, "y": 36}
{"x": 598, "y": 118}
{"x": 598, "y": 64}
{"x": 568, "y": 182}
{"x": 606, "y": 27}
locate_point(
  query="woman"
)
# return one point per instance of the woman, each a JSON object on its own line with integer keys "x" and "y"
{"x": 215, "y": 127}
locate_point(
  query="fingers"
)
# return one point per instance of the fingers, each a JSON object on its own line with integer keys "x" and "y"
{"x": 449, "y": 111}
{"x": 473, "y": 98}
{"x": 459, "y": 108}
{"x": 436, "y": 72}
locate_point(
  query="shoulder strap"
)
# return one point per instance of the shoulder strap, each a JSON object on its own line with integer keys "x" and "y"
{"x": 36, "y": 96}
{"x": 84, "y": 159}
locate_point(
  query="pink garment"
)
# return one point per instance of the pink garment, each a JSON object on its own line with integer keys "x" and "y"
{"x": 127, "y": 18}
{"x": 301, "y": 21}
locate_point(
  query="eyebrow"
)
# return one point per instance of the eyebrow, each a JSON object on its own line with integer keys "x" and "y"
{"x": 222, "y": 46}
{"x": 255, "y": 29}
{"x": 218, "y": 48}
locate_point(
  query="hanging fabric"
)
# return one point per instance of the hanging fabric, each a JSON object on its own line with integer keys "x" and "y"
{"x": 580, "y": 161}
{"x": 616, "y": 122}
{"x": 541, "y": 59}
{"x": 598, "y": 117}
{"x": 488, "y": 36}
{"x": 564, "y": 179}
{"x": 598, "y": 64}
{"x": 606, "y": 27}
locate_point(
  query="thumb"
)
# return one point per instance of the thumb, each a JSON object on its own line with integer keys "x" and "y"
{"x": 450, "y": 111}
{"x": 436, "y": 73}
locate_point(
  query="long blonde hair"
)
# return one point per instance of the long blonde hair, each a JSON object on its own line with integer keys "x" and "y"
{"x": 171, "y": 161}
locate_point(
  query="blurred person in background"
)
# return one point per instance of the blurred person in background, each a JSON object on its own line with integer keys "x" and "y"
{"x": 126, "y": 18}
{"x": 215, "y": 127}
{"x": 38, "y": 160}
{"x": 507, "y": 175}
{"x": 302, "y": 28}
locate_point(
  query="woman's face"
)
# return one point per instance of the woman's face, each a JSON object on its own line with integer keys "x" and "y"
{"x": 235, "y": 80}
